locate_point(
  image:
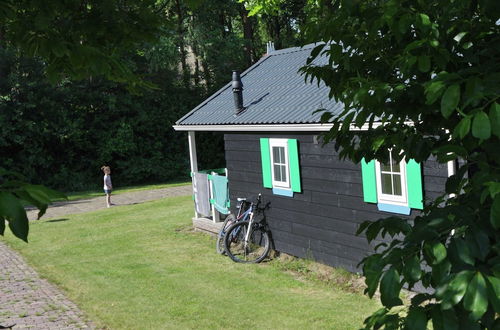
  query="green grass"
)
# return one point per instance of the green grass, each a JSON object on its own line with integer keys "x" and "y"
{"x": 141, "y": 267}
{"x": 98, "y": 193}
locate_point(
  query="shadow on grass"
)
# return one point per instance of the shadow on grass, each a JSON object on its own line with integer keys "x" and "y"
{"x": 57, "y": 220}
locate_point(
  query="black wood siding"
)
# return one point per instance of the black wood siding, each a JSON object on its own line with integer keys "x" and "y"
{"x": 319, "y": 223}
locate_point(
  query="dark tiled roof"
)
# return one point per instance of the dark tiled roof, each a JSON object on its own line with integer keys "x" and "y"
{"x": 273, "y": 93}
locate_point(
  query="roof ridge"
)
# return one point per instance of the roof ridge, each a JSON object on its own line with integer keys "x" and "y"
{"x": 295, "y": 49}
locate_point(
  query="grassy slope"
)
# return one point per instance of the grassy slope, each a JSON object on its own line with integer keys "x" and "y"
{"x": 141, "y": 267}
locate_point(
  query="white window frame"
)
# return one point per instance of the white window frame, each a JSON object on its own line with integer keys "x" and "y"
{"x": 280, "y": 143}
{"x": 392, "y": 199}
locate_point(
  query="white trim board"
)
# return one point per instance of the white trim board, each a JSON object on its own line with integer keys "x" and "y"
{"x": 272, "y": 127}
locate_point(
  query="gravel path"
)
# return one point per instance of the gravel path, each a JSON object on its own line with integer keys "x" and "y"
{"x": 31, "y": 302}
{"x": 92, "y": 204}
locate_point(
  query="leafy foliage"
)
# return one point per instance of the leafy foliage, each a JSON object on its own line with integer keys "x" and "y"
{"x": 80, "y": 39}
{"x": 429, "y": 72}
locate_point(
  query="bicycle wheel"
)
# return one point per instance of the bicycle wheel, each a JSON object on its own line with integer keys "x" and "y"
{"x": 219, "y": 245}
{"x": 254, "y": 250}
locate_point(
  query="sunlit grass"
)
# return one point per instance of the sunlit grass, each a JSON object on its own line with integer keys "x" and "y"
{"x": 141, "y": 267}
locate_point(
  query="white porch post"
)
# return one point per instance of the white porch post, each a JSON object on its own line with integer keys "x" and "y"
{"x": 193, "y": 159}
{"x": 192, "y": 151}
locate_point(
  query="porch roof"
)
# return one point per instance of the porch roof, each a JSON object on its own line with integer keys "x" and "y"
{"x": 274, "y": 92}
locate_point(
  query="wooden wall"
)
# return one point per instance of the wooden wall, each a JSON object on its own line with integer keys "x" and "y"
{"x": 319, "y": 223}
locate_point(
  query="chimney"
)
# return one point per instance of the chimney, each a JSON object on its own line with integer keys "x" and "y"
{"x": 238, "y": 92}
{"x": 270, "y": 47}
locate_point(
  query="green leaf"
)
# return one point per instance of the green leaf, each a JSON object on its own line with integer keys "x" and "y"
{"x": 372, "y": 270}
{"x": 481, "y": 127}
{"x": 493, "y": 188}
{"x": 453, "y": 292}
{"x": 495, "y": 119}
{"x": 476, "y": 299}
{"x": 495, "y": 213}
{"x": 436, "y": 251}
{"x": 362, "y": 227}
{"x": 478, "y": 242}
{"x": 390, "y": 287}
{"x": 440, "y": 272}
{"x": 424, "y": 20}
{"x": 412, "y": 270}
{"x": 459, "y": 36}
{"x": 463, "y": 251}
{"x": 416, "y": 319}
{"x": 12, "y": 210}
{"x": 433, "y": 91}
{"x": 493, "y": 284}
{"x": 424, "y": 63}
{"x": 443, "y": 319}
{"x": 450, "y": 100}
{"x": 463, "y": 128}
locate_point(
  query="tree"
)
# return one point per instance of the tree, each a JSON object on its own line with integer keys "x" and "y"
{"x": 76, "y": 40}
{"x": 429, "y": 71}
{"x": 79, "y": 39}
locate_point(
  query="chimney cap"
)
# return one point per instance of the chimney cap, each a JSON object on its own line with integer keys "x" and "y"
{"x": 237, "y": 84}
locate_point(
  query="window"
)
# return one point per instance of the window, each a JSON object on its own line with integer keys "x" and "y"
{"x": 280, "y": 166}
{"x": 395, "y": 187}
{"x": 391, "y": 181}
{"x": 279, "y": 163}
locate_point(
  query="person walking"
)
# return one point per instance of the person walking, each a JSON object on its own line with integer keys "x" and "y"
{"x": 108, "y": 186}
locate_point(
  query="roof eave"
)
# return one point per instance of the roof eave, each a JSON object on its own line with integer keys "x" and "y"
{"x": 273, "y": 127}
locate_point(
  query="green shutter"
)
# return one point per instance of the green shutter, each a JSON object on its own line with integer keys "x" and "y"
{"x": 414, "y": 184}
{"x": 369, "y": 181}
{"x": 293, "y": 159}
{"x": 266, "y": 162}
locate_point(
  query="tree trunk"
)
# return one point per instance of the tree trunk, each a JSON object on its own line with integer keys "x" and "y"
{"x": 181, "y": 43}
{"x": 248, "y": 35}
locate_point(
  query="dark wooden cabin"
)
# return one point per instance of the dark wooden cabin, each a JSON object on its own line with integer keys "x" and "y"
{"x": 272, "y": 146}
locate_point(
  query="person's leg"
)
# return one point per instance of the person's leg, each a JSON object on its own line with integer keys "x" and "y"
{"x": 108, "y": 199}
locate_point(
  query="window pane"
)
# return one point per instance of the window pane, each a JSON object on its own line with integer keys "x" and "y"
{"x": 283, "y": 173}
{"x": 276, "y": 155}
{"x": 386, "y": 184}
{"x": 397, "y": 184}
{"x": 395, "y": 167}
{"x": 282, "y": 155}
{"x": 385, "y": 167}
{"x": 277, "y": 173}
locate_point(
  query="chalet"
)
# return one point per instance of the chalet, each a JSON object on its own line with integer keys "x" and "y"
{"x": 270, "y": 128}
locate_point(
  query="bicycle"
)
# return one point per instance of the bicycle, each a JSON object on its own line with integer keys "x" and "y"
{"x": 243, "y": 213}
{"x": 248, "y": 241}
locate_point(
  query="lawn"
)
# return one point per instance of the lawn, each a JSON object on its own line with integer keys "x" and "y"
{"x": 141, "y": 267}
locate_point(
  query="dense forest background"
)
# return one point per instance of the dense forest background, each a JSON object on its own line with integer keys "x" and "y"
{"x": 61, "y": 134}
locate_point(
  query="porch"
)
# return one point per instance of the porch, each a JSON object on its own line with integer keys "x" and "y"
{"x": 210, "y": 193}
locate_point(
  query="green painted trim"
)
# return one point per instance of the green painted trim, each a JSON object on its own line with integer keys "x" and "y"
{"x": 414, "y": 184}
{"x": 293, "y": 159}
{"x": 369, "y": 181}
{"x": 212, "y": 201}
{"x": 266, "y": 162}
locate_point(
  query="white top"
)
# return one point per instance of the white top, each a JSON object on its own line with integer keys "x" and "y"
{"x": 107, "y": 182}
